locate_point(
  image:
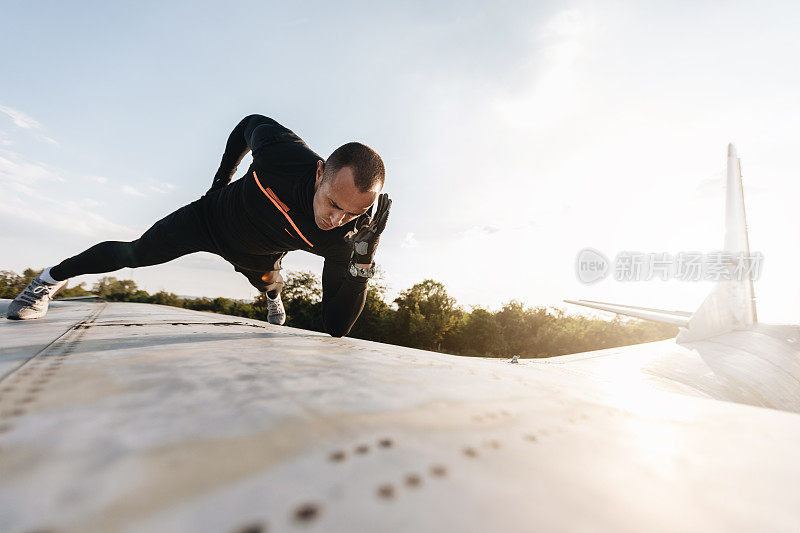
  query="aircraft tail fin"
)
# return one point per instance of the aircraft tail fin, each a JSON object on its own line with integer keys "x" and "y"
{"x": 731, "y": 304}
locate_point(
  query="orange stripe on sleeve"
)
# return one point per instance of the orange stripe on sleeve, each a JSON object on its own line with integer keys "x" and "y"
{"x": 278, "y": 204}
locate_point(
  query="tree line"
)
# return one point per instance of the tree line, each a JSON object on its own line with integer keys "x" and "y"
{"x": 423, "y": 316}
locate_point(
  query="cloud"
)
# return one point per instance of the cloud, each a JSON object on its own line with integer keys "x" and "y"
{"x": 553, "y": 93}
{"x": 206, "y": 261}
{"x": 162, "y": 187}
{"x": 714, "y": 187}
{"x": 22, "y": 120}
{"x": 479, "y": 231}
{"x": 98, "y": 179}
{"x": 15, "y": 168}
{"x": 90, "y": 202}
{"x": 26, "y": 122}
{"x": 127, "y": 189}
{"x": 567, "y": 23}
{"x": 32, "y": 214}
{"x": 409, "y": 241}
{"x": 28, "y": 210}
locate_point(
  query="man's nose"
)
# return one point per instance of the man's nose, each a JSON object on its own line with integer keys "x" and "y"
{"x": 336, "y": 218}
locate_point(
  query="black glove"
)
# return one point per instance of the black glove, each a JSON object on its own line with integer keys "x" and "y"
{"x": 365, "y": 237}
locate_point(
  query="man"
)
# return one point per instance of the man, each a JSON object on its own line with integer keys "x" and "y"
{"x": 290, "y": 199}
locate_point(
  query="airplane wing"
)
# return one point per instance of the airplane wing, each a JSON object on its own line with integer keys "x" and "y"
{"x": 135, "y": 417}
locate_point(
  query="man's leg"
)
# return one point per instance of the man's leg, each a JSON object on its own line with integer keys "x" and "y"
{"x": 267, "y": 278}
{"x": 179, "y": 233}
{"x": 270, "y": 283}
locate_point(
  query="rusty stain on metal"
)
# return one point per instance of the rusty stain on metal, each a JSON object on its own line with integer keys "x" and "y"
{"x": 438, "y": 471}
{"x": 413, "y": 480}
{"x": 337, "y": 456}
{"x": 386, "y": 491}
{"x": 361, "y": 449}
{"x": 307, "y": 512}
{"x": 257, "y": 527}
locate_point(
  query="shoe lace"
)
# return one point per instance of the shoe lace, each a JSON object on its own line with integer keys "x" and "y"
{"x": 33, "y": 292}
{"x": 275, "y": 305}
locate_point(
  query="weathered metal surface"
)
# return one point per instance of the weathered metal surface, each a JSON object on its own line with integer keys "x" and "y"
{"x": 148, "y": 418}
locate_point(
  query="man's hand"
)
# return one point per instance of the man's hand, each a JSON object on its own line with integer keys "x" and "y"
{"x": 364, "y": 239}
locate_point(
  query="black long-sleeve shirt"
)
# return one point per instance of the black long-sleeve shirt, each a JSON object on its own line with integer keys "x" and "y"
{"x": 270, "y": 210}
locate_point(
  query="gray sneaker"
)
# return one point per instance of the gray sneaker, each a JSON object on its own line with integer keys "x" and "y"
{"x": 275, "y": 312}
{"x": 33, "y": 301}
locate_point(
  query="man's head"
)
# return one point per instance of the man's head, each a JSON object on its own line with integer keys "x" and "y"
{"x": 346, "y": 185}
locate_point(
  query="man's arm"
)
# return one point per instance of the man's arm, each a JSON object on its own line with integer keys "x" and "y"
{"x": 344, "y": 291}
{"x": 343, "y": 297}
{"x": 249, "y": 134}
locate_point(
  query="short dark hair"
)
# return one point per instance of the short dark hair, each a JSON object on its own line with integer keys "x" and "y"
{"x": 367, "y": 165}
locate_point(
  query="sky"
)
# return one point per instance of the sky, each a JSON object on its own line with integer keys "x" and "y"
{"x": 514, "y": 134}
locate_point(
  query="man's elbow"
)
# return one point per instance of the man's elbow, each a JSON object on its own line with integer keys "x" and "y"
{"x": 252, "y": 121}
{"x": 337, "y": 328}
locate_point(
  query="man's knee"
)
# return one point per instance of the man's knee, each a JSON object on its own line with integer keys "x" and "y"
{"x": 269, "y": 282}
{"x": 273, "y": 276}
{"x": 125, "y": 254}
{"x": 274, "y": 282}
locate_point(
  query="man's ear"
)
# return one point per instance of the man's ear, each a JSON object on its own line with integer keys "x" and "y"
{"x": 320, "y": 171}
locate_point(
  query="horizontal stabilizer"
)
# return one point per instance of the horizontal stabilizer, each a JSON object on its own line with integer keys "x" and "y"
{"x": 676, "y": 318}
{"x": 686, "y": 314}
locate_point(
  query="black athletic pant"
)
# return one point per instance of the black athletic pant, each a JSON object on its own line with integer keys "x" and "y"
{"x": 180, "y": 233}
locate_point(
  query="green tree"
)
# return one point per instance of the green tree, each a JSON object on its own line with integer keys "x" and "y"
{"x": 114, "y": 289}
{"x": 12, "y": 283}
{"x": 426, "y": 314}
{"x": 166, "y": 298}
{"x": 375, "y": 321}
{"x": 477, "y": 333}
{"x": 426, "y": 317}
{"x": 74, "y": 291}
{"x": 519, "y": 326}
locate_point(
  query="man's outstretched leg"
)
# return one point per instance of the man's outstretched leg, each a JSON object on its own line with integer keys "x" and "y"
{"x": 34, "y": 300}
{"x": 179, "y": 233}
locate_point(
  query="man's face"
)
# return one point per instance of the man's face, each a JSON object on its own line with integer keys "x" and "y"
{"x": 337, "y": 200}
